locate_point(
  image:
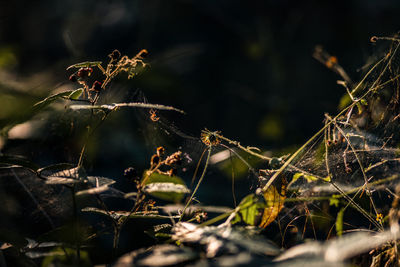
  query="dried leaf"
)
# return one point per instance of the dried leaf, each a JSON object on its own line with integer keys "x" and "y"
{"x": 274, "y": 204}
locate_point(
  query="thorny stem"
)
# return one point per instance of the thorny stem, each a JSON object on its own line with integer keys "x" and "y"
{"x": 198, "y": 184}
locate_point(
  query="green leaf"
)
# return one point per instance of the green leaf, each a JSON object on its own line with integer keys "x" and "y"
{"x": 344, "y": 101}
{"x": 250, "y": 209}
{"x": 166, "y": 191}
{"x": 76, "y": 94}
{"x": 363, "y": 102}
{"x": 156, "y": 177}
{"x": 85, "y": 64}
{"x": 334, "y": 201}
{"x": 339, "y": 222}
{"x": 50, "y": 99}
{"x": 165, "y": 187}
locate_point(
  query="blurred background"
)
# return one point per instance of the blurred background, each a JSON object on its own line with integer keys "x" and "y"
{"x": 242, "y": 67}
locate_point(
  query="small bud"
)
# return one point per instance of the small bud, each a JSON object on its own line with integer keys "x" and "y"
{"x": 84, "y": 72}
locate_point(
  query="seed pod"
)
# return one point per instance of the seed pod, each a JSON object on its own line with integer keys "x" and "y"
{"x": 84, "y": 72}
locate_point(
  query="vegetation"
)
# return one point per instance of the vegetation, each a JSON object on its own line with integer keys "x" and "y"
{"x": 334, "y": 200}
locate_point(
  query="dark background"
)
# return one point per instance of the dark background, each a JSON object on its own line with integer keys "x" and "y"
{"x": 231, "y": 65}
{"x": 242, "y": 67}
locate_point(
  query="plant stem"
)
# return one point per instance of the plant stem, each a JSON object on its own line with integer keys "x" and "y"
{"x": 198, "y": 184}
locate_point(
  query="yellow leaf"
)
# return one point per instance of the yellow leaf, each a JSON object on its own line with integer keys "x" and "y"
{"x": 274, "y": 203}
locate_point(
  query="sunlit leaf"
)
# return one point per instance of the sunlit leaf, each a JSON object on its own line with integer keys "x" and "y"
{"x": 85, "y": 64}
{"x": 250, "y": 209}
{"x": 63, "y": 174}
{"x": 224, "y": 240}
{"x": 334, "y": 201}
{"x": 165, "y": 187}
{"x": 76, "y": 94}
{"x": 50, "y": 99}
{"x": 99, "y": 185}
{"x": 338, "y": 249}
{"x": 94, "y": 190}
{"x": 60, "y": 180}
{"x": 274, "y": 203}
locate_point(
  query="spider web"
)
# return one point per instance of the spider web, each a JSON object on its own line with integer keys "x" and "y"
{"x": 354, "y": 158}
